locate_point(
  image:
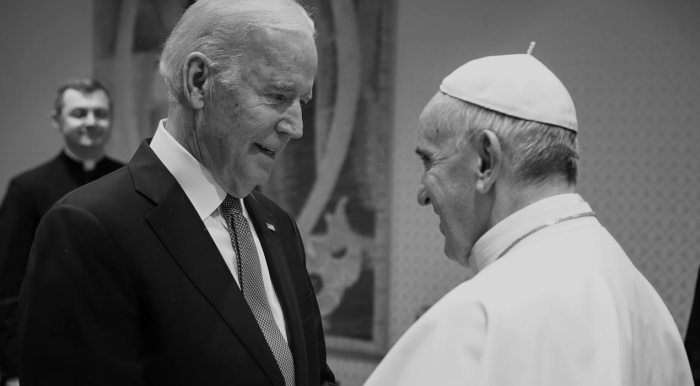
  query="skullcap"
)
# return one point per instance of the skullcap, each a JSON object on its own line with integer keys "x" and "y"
{"x": 516, "y": 85}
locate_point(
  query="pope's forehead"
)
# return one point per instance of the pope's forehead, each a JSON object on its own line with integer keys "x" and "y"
{"x": 434, "y": 134}
{"x": 436, "y": 117}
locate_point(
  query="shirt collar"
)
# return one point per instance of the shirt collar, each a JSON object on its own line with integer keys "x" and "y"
{"x": 196, "y": 180}
{"x": 88, "y": 164}
{"x": 502, "y": 235}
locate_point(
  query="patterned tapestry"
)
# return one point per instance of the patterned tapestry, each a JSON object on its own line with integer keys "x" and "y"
{"x": 335, "y": 180}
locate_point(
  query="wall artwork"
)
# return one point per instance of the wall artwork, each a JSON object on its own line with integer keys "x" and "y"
{"x": 334, "y": 181}
{"x": 128, "y": 37}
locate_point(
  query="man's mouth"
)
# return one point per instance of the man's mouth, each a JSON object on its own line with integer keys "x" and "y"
{"x": 269, "y": 151}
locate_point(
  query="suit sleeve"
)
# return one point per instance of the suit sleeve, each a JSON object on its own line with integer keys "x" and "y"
{"x": 19, "y": 218}
{"x": 326, "y": 376}
{"x": 79, "y": 319}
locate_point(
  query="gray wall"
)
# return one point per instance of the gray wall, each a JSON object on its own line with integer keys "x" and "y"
{"x": 631, "y": 67}
{"x": 42, "y": 43}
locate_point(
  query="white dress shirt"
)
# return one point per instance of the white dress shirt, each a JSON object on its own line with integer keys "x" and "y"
{"x": 206, "y": 196}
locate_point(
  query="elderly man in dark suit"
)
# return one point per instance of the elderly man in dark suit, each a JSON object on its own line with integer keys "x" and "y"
{"x": 82, "y": 114}
{"x": 174, "y": 271}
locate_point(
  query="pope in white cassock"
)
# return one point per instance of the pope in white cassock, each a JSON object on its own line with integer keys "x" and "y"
{"x": 555, "y": 300}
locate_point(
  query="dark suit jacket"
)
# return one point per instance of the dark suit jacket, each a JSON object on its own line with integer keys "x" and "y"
{"x": 126, "y": 287}
{"x": 29, "y": 196}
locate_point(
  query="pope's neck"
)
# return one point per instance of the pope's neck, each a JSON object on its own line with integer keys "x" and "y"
{"x": 511, "y": 198}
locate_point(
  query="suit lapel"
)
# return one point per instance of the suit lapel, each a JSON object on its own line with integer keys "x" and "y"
{"x": 178, "y": 226}
{"x": 276, "y": 260}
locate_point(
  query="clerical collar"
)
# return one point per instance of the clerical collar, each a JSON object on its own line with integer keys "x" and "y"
{"x": 497, "y": 239}
{"x": 88, "y": 164}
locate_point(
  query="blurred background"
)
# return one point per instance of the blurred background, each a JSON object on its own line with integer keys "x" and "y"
{"x": 630, "y": 65}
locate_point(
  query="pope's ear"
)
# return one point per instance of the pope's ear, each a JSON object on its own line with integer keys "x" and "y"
{"x": 197, "y": 75}
{"x": 490, "y": 160}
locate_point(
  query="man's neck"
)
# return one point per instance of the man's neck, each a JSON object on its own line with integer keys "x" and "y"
{"x": 512, "y": 198}
{"x": 180, "y": 124}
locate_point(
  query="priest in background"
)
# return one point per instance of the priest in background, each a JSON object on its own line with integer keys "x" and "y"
{"x": 82, "y": 114}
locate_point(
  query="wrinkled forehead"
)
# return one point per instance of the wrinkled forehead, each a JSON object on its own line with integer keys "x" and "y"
{"x": 287, "y": 60}
{"x": 437, "y": 124}
{"x": 282, "y": 45}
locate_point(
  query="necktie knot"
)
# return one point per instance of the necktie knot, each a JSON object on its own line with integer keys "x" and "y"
{"x": 231, "y": 205}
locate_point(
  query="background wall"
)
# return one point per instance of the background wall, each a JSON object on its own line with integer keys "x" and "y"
{"x": 43, "y": 43}
{"x": 631, "y": 67}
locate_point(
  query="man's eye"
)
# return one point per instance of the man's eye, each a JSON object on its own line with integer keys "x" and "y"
{"x": 78, "y": 113}
{"x": 279, "y": 97}
{"x": 101, "y": 114}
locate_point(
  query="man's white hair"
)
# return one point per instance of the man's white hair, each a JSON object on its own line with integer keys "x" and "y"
{"x": 221, "y": 30}
{"x": 537, "y": 151}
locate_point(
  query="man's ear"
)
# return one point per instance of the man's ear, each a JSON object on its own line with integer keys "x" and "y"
{"x": 55, "y": 120}
{"x": 197, "y": 79}
{"x": 490, "y": 160}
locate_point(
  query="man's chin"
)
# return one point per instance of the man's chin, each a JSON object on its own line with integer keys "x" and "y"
{"x": 260, "y": 176}
{"x": 91, "y": 143}
{"x": 460, "y": 258}
{"x": 241, "y": 189}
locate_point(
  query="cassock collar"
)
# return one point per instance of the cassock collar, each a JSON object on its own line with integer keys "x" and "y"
{"x": 197, "y": 181}
{"x": 87, "y": 165}
{"x": 502, "y": 235}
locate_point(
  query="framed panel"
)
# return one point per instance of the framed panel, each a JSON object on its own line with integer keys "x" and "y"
{"x": 335, "y": 180}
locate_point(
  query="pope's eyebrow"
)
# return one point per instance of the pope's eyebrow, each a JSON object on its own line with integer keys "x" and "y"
{"x": 283, "y": 86}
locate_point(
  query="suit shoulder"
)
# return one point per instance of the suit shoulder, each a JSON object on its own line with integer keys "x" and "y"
{"x": 94, "y": 194}
{"x": 112, "y": 163}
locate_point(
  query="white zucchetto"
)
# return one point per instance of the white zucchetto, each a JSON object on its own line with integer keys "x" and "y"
{"x": 516, "y": 85}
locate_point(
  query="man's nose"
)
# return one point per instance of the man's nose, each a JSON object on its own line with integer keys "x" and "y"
{"x": 90, "y": 119}
{"x": 292, "y": 124}
{"x": 423, "y": 198}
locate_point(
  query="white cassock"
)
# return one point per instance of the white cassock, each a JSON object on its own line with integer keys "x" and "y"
{"x": 565, "y": 306}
